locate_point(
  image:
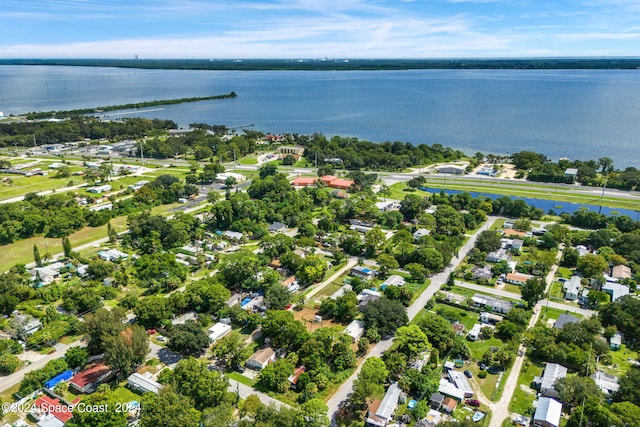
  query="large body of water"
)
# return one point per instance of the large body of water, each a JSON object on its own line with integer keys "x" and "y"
{"x": 579, "y": 114}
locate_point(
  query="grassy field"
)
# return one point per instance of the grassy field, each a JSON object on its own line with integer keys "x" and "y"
{"x": 21, "y": 252}
{"x": 526, "y": 189}
{"x": 523, "y": 397}
{"x": 400, "y": 189}
{"x": 248, "y": 161}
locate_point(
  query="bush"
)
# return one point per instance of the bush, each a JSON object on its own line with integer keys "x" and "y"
{"x": 482, "y": 374}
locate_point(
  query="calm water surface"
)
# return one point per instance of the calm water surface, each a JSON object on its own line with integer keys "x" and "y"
{"x": 579, "y": 114}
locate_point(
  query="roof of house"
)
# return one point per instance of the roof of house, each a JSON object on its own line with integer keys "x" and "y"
{"x": 49, "y": 420}
{"x": 328, "y": 178}
{"x": 572, "y": 285}
{"x": 90, "y": 375}
{"x": 389, "y": 401}
{"x": 564, "y": 319}
{"x": 355, "y": 328}
{"x": 616, "y": 290}
{"x": 607, "y": 383}
{"x": 341, "y": 183}
{"x": 621, "y": 272}
{"x": 276, "y": 226}
{"x": 461, "y": 382}
{"x": 394, "y": 280}
{"x": 507, "y": 232}
{"x": 518, "y": 277}
{"x": 218, "y": 331}
{"x": 500, "y": 254}
{"x": 144, "y": 382}
{"x": 450, "y": 403}
{"x": 421, "y": 232}
{"x": 289, "y": 280}
{"x": 53, "y": 407}
{"x": 549, "y": 410}
{"x": 571, "y": 171}
{"x": 262, "y": 355}
{"x": 293, "y": 379}
{"x": 449, "y": 389}
{"x": 303, "y": 181}
{"x": 552, "y": 373}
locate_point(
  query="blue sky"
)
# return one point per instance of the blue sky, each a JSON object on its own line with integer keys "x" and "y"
{"x": 318, "y": 28}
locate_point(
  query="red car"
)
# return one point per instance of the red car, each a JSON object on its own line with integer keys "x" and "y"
{"x": 473, "y": 402}
{"x": 151, "y": 331}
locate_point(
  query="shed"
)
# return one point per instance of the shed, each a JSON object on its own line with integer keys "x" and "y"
{"x": 615, "y": 341}
{"x": 435, "y": 401}
{"x": 420, "y": 233}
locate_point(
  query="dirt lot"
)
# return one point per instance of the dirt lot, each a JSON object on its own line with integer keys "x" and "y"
{"x": 307, "y": 316}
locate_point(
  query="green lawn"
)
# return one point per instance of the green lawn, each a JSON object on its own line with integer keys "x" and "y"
{"x": 400, "y": 189}
{"x": 556, "y": 291}
{"x": 527, "y": 189}
{"x": 522, "y": 402}
{"x": 124, "y": 395}
{"x": 417, "y": 288}
{"x": 248, "y": 161}
{"x": 553, "y": 313}
{"x": 498, "y": 224}
{"x": 479, "y": 348}
{"x": 240, "y": 378}
{"x": 620, "y": 363}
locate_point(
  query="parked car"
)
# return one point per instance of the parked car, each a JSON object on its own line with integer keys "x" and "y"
{"x": 473, "y": 402}
{"x": 494, "y": 370}
{"x": 467, "y": 373}
{"x": 151, "y": 331}
{"x": 483, "y": 366}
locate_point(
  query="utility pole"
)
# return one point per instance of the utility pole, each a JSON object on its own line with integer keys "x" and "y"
{"x": 141, "y": 154}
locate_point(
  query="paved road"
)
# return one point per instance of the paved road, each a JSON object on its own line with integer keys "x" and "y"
{"x": 436, "y": 282}
{"x": 13, "y": 379}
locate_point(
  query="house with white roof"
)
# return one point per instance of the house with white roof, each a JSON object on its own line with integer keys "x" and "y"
{"x": 420, "y": 233}
{"x": 143, "y": 383}
{"x": 218, "y": 331}
{"x": 547, "y": 413}
{"x": 447, "y": 388}
{"x": 355, "y": 330}
{"x": 380, "y": 415}
{"x": 112, "y": 255}
{"x": 615, "y": 290}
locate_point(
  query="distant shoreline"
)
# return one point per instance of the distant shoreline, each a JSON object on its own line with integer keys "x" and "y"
{"x": 137, "y": 105}
{"x": 344, "y": 64}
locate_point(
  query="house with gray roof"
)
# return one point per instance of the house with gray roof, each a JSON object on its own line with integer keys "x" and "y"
{"x": 572, "y": 288}
{"x": 552, "y": 373}
{"x": 564, "y": 319}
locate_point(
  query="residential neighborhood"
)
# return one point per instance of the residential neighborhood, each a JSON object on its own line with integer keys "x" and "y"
{"x": 293, "y": 294}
